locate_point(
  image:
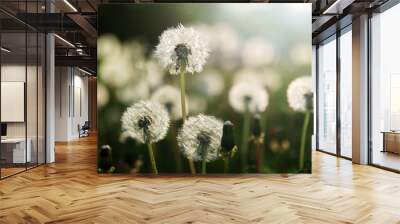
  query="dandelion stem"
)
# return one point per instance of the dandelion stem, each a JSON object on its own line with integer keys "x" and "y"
{"x": 303, "y": 139}
{"x": 152, "y": 160}
{"x": 177, "y": 154}
{"x": 203, "y": 166}
{"x": 183, "y": 108}
{"x": 259, "y": 156}
{"x": 245, "y": 136}
{"x": 183, "y": 100}
{"x": 226, "y": 165}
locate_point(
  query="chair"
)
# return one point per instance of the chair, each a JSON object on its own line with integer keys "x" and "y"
{"x": 84, "y": 130}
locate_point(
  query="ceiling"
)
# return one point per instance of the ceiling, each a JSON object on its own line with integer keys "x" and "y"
{"x": 76, "y": 21}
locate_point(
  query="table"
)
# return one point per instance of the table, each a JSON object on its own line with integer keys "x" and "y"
{"x": 16, "y": 147}
{"x": 391, "y": 141}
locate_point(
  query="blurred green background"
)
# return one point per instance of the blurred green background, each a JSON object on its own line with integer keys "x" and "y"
{"x": 286, "y": 28}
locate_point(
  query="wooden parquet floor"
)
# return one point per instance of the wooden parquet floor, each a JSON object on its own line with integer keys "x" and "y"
{"x": 70, "y": 191}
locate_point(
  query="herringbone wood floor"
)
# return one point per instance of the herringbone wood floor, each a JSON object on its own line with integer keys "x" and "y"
{"x": 70, "y": 191}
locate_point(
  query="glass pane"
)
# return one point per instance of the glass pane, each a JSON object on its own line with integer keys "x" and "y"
{"x": 327, "y": 96}
{"x": 31, "y": 98}
{"x": 346, "y": 94}
{"x": 41, "y": 98}
{"x": 386, "y": 89}
{"x": 14, "y": 153}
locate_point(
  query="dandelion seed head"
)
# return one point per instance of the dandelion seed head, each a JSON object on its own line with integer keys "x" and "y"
{"x": 223, "y": 41}
{"x": 107, "y": 45}
{"x": 146, "y": 122}
{"x": 169, "y": 96}
{"x": 153, "y": 73}
{"x": 299, "y": 94}
{"x": 257, "y": 52}
{"x": 266, "y": 77}
{"x": 197, "y": 104}
{"x": 211, "y": 83}
{"x": 123, "y": 66}
{"x": 247, "y": 94}
{"x": 102, "y": 95}
{"x": 301, "y": 54}
{"x": 133, "y": 92}
{"x": 182, "y": 47}
{"x": 200, "y": 136}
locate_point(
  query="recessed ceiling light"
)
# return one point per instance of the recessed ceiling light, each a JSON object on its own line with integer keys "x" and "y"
{"x": 5, "y": 50}
{"x": 64, "y": 40}
{"x": 84, "y": 71}
{"x": 70, "y": 5}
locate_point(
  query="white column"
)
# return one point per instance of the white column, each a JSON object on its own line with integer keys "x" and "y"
{"x": 360, "y": 90}
{"x": 50, "y": 92}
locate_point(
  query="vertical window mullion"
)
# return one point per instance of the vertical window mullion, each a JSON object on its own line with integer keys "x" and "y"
{"x": 338, "y": 74}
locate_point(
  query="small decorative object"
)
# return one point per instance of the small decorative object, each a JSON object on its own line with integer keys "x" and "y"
{"x": 200, "y": 139}
{"x": 300, "y": 98}
{"x": 147, "y": 122}
{"x": 258, "y": 139}
{"x": 228, "y": 147}
{"x": 105, "y": 160}
{"x": 247, "y": 98}
{"x": 182, "y": 50}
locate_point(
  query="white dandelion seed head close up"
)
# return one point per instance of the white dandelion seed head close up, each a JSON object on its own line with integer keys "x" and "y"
{"x": 133, "y": 92}
{"x": 197, "y": 104}
{"x": 107, "y": 45}
{"x": 102, "y": 95}
{"x": 200, "y": 134}
{"x": 124, "y": 136}
{"x": 266, "y": 77}
{"x": 298, "y": 91}
{"x": 153, "y": 73}
{"x": 211, "y": 83}
{"x": 123, "y": 66}
{"x": 182, "y": 43}
{"x": 170, "y": 97}
{"x": 223, "y": 40}
{"x": 257, "y": 52}
{"x": 301, "y": 54}
{"x": 146, "y": 122}
{"x": 255, "y": 95}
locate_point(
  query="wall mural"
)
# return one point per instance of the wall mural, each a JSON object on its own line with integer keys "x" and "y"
{"x": 204, "y": 88}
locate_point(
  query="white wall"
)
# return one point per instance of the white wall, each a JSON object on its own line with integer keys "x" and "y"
{"x": 71, "y": 103}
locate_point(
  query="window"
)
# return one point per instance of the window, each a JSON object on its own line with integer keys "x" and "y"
{"x": 346, "y": 92}
{"x": 385, "y": 89}
{"x": 327, "y": 96}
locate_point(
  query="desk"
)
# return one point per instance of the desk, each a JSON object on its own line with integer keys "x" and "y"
{"x": 391, "y": 141}
{"x": 16, "y": 147}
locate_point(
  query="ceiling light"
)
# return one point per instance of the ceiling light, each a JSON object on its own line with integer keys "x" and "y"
{"x": 84, "y": 71}
{"x": 337, "y": 7}
{"x": 5, "y": 50}
{"x": 65, "y": 41}
{"x": 70, "y": 5}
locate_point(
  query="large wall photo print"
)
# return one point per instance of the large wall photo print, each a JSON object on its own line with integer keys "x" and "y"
{"x": 203, "y": 88}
